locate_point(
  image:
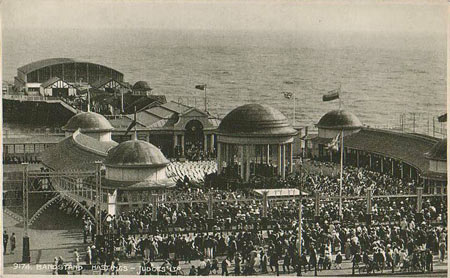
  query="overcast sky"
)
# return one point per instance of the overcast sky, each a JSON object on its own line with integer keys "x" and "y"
{"x": 361, "y": 15}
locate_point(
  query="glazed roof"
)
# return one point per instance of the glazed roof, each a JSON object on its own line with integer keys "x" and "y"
{"x": 339, "y": 119}
{"x": 255, "y": 119}
{"x": 136, "y": 153}
{"x": 402, "y": 146}
{"x": 141, "y": 86}
{"x": 439, "y": 151}
{"x": 88, "y": 122}
{"x": 78, "y": 152}
{"x": 53, "y": 61}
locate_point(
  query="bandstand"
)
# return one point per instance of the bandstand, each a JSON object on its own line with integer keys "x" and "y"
{"x": 255, "y": 139}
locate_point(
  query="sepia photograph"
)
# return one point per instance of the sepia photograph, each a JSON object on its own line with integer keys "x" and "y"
{"x": 224, "y": 138}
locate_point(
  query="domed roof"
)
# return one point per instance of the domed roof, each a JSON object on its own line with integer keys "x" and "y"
{"x": 141, "y": 86}
{"x": 255, "y": 119}
{"x": 135, "y": 153}
{"x": 439, "y": 151}
{"x": 88, "y": 121}
{"x": 339, "y": 119}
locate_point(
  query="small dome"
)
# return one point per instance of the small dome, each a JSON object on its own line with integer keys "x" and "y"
{"x": 256, "y": 119}
{"x": 141, "y": 86}
{"x": 439, "y": 151}
{"x": 135, "y": 153}
{"x": 339, "y": 119}
{"x": 88, "y": 122}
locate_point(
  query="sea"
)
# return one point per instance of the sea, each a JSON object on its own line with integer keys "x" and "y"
{"x": 381, "y": 75}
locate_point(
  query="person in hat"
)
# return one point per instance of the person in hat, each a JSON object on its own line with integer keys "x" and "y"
{"x": 5, "y": 241}
{"x": 13, "y": 242}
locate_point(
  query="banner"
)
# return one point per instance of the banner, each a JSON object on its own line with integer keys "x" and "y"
{"x": 332, "y": 95}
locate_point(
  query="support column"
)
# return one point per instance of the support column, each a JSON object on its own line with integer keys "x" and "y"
{"x": 247, "y": 162}
{"x": 268, "y": 154}
{"x": 261, "y": 155}
{"x": 291, "y": 158}
{"x": 382, "y": 164}
{"x": 182, "y": 145}
{"x": 211, "y": 147}
{"x": 370, "y": 161}
{"x": 392, "y": 167}
{"x": 283, "y": 162}
{"x": 205, "y": 144}
{"x": 175, "y": 143}
{"x": 279, "y": 164}
{"x": 219, "y": 158}
{"x": 225, "y": 153}
{"x": 410, "y": 172}
{"x": 241, "y": 157}
{"x": 357, "y": 158}
{"x": 402, "y": 170}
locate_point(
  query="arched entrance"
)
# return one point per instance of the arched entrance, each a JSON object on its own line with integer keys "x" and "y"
{"x": 194, "y": 140}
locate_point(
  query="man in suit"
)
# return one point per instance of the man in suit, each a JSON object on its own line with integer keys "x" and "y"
{"x": 5, "y": 242}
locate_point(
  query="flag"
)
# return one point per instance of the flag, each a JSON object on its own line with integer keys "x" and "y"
{"x": 287, "y": 95}
{"x": 334, "y": 144}
{"x": 331, "y": 95}
{"x": 133, "y": 123}
{"x": 200, "y": 87}
{"x": 442, "y": 118}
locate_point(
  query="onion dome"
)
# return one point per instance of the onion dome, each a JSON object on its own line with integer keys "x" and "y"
{"x": 136, "y": 153}
{"x": 438, "y": 151}
{"x": 339, "y": 119}
{"x": 88, "y": 122}
{"x": 141, "y": 86}
{"x": 256, "y": 119}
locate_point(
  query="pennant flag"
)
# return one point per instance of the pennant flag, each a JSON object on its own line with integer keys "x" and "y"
{"x": 334, "y": 144}
{"x": 331, "y": 95}
{"x": 133, "y": 123}
{"x": 200, "y": 87}
{"x": 288, "y": 95}
{"x": 442, "y": 118}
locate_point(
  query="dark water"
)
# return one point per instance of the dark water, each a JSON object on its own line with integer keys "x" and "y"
{"x": 381, "y": 75}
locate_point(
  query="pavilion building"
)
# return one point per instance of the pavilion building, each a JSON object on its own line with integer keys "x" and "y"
{"x": 252, "y": 139}
{"x": 132, "y": 171}
{"x": 436, "y": 176}
{"x": 416, "y": 157}
{"x": 91, "y": 124}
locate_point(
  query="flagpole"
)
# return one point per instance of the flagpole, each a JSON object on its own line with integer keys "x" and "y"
{"x": 205, "y": 100}
{"x": 121, "y": 100}
{"x": 135, "y": 120}
{"x": 293, "y": 119}
{"x": 89, "y": 101}
{"x": 342, "y": 168}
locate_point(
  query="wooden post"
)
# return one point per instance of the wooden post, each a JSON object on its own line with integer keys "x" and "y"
{"x": 419, "y": 199}
{"x": 210, "y": 205}
{"x": 317, "y": 206}
{"x": 219, "y": 158}
{"x": 265, "y": 204}
{"x": 279, "y": 163}
{"x": 154, "y": 207}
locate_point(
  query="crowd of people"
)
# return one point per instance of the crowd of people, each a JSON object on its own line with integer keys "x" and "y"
{"x": 236, "y": 238}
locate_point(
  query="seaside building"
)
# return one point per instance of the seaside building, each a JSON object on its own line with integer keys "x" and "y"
{"x": 31, "y": 76}
{"x": 132, "y": 170}
{"x": 386, "y": 151}
{"x": 175, "y": 128}
{"x": 255, "y": 137}
{"x": 436, "y": 176}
